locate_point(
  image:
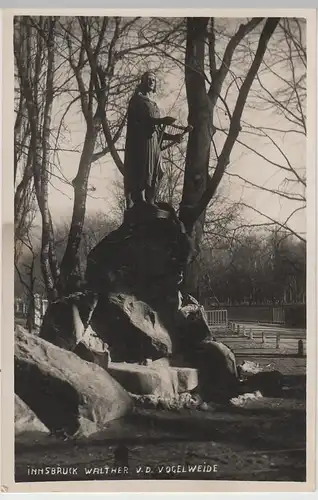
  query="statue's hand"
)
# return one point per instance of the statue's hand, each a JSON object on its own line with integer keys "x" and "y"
{"x": 168, "y": 120}
{"x": 178, "y": 138}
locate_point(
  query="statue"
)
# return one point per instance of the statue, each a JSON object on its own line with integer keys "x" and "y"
{"x": 145, "y": 133}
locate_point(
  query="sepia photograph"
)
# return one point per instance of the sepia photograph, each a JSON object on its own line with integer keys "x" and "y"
{"x": 160, "y": 167}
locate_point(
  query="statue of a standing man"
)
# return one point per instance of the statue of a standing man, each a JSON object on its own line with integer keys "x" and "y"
{"x": 142, "y": 165}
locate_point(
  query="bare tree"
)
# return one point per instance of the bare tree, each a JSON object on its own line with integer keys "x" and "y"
{"x": 103, "y": 57}
{"x": 91, "y": 65}
{"x": 203, "y": 95}
{"x": 24, "y": 206}
{"x": 170, "y": 186}
{"x": 34, "y": 56}
{"x": 199, "y": 188}
{"x": 26, "y": 271}
{"x": 261, "y": 267}
{"x": 280, "y": 92}
{"x": 100, "y": 56}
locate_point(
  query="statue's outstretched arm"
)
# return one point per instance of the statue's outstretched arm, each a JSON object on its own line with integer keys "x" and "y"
{"x": 166, "y": 120}
{"x": 169, "y": 137}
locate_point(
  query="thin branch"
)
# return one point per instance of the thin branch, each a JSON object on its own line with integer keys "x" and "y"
{"x": 219, "y": 76}
{"x": 235, "y": 126}
{"x": 263, "y": 188}
{"x": 282, "y": 225}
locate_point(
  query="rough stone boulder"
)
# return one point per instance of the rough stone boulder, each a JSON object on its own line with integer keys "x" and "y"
{"x": 136, "y": 272}
{"x": 145, "y": 380}
{"x": 58, "y": 327}
{"x": 146, "y": 253}
{"x": 218, "y": 375}
{"x": 25, "y": 419}
{"x": 66, "y": 393}
{"x": 154, "y": 379}
{"x": 187, "y": 379}
{"x": 133, "y": 329}
{"x": 93, "y": 349}
{"x": 191, "y": 330}
{"x": 58, "y": 323}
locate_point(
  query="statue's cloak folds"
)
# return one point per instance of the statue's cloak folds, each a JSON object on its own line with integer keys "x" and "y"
{"x": 142, "y": 152}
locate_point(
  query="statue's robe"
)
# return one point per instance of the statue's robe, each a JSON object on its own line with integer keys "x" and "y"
{"x": 142, "y": 164}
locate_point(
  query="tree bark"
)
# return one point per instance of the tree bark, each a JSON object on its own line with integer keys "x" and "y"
{"x": 199, "y": 141}
{"x": 69, "y": 264}
{"x": 39, "y": 106}
{"x": 199, "y": 188}
{"x": 235, "y": 125}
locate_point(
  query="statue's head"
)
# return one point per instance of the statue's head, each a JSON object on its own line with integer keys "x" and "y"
{"x": 148, "y": 82}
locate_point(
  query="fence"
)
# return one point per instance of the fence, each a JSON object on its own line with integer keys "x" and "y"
{"x": 289, "y": 314}
{"x": 40, "y": 306}
{"x": 217, "y": 317}
{"x": 278, "y": 336}
{"x": 20, "y": 307}
{"x": 278, "y": 315}
{"x": 251, "y": 313}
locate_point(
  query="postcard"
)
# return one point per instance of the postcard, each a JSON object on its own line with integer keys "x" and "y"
{"x": 158, "y": 250}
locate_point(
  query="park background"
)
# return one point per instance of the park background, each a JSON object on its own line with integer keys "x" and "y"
{"x": 253, "y": 245}
{"x": 277, "y": 223}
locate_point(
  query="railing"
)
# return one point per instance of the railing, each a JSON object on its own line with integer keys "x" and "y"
{"x": 270, "y": 335}
{"x": 278, "y": 315}
{"x": 20, "y": 307}
{"x": 217, "y": 317}
{"x": 40, "y": 306}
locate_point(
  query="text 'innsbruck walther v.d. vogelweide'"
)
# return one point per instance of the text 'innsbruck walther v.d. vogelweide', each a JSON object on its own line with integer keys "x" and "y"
{"x": 119, "y": 471}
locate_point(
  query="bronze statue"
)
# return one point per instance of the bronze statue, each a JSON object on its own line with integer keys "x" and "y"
{"x": 145, "y": 133}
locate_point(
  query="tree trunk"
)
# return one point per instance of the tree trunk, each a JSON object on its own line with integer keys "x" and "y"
{"x": 70, "y": 272}
{"x": 31, "y": 304}
{"x": 199, "y": 142}
{"x": 199, "y": 187}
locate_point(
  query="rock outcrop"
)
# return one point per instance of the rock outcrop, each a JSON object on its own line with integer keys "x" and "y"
{"x": 192, "y": 329}
{"x": 58, "y": 323}
{"x": 132, "y": 329}
{"x": 66, "y": 393}
{"x": 92, "y": 348}
{"x": 217, "y": 371}
{"x": 131, "y": 304}
{"x": 154, "y": 379}
{"x": 65, "y": 325}
{"x": 146, "y": 255}
{"x": 136, "y": 271}
{"x": 25, "y": 420}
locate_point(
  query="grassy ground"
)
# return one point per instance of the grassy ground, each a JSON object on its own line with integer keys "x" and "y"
{"x": 264, "y": 441}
